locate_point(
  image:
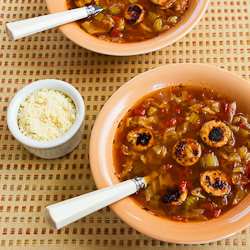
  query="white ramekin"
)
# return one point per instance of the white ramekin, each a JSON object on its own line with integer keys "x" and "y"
{"x": 61, "y": 145}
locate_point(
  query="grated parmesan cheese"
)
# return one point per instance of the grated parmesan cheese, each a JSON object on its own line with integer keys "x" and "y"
{"x": 46, "y": 114}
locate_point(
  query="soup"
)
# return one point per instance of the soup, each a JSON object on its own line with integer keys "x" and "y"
{"x": 193, "y": 145}
{"x": 131, "y": 20}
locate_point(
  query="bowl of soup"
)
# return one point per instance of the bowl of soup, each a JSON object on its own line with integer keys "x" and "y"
{"x": 187, "y": 130}
{"x": 131, "y": 27}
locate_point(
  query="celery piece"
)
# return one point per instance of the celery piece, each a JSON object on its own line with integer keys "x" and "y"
{"x": 115, "y": 10}
{"x": 151, "y": 110}
{"x": 209, "y": 161}
{"x": 193, "y": 117}
{"x": 152, "y": 16}
{"x": 190, "y": 202}
{"x": 158, "y": 25}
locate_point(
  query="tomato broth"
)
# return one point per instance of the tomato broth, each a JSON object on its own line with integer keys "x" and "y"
{"x": 192, "y": 143}
{"x": 131, "y": 20}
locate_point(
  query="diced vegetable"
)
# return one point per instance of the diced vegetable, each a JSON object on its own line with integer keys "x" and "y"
{"x": 120, "y": 24}
{"x": 239, "y": 196}
{"x": 193, "y": 117}
{"x": 233, "y": 157}
{"x": 146, "y": 28}
{"x": 196, "y": 107}
{"x": 169, "y": 134}
{"x": 99, "y": 17}
{"x": 149, "y": 193}
{"x": 152, "y": 16}
{"x": 97, "y": 27}
{"x": 197, "y": 192}
{"x": 215, "y": 106}
{"x": 207, "y": 110}
{"x": 155, "y": 185}
{"x": 142, "y": 121}
{"x": 209, "y": 161}
{"x": 173, "y": 19}
{"x": 140, "y": 111}
{"x": 190, "y": 202}
{"x": 158, "y": 25}
{"x": 184, "y": 96}
{"x": 115, "y": 10}
{"x": 236, "y": 178}
{"x": 152, "y": 189}
{"x": 182, "y": 129}
{"x": 151, "y": 110}
{"x": 178, "y": 100}
{"x": 244, "y": 153}
{"x": 160, "y": 150}
{"x": 239, "y": 170}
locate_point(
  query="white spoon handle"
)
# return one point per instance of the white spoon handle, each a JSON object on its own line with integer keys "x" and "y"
{"x": 19, "y": 29}
{"x": 63, "y": 213}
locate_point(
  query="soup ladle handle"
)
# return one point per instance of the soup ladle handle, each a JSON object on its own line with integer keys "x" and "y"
{"x": 65, "y": 212}
{"x": 23, "y": 28}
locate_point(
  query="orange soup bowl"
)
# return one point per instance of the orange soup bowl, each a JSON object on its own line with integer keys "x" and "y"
{"x": 101, "y": 155}
{"x": 73, "y": 31}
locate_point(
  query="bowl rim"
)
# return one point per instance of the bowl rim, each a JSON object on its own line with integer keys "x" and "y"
{"x": 83, "y": 39}
{"x": 103, "y": 178}
{"x": 21, "y": 96}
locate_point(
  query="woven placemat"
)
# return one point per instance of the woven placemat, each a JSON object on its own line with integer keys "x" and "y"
{"x": 28, "y": 184}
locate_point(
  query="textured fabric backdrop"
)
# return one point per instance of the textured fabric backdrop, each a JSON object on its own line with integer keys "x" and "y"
{"x": 28, "y": 184}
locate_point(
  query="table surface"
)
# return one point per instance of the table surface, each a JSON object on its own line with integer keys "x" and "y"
{"x": 28, "y": 184}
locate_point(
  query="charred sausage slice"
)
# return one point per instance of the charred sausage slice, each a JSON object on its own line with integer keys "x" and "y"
{"x": 134, "y": 14}
{"x": 187, "y": 152}
{"x": 140, "y": 139}
{"x": 215, "y": 182}
{"x": 215, "y": 133}
{"x": 175, "y": 196}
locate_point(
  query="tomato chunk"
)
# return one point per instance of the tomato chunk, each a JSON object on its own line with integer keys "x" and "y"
{"x": 140, "y": 111}
{"x": 176, "y": 110}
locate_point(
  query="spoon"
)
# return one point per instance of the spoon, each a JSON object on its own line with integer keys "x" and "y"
{"x": 65, "y": 212}
{"x": 23, "y": 28}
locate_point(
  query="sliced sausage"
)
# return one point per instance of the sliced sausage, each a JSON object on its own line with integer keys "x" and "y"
{"x": 215, "y": 183}
{"x": 140, "y": 139}
{"x": 134, "y": 14}
{"x": 215, "y": 133}
{"x": 175, "y": 196}
{"x": 187, "y": 152}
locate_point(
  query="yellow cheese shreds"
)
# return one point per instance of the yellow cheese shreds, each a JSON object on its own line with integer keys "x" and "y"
{"x": 46, "y": 115}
